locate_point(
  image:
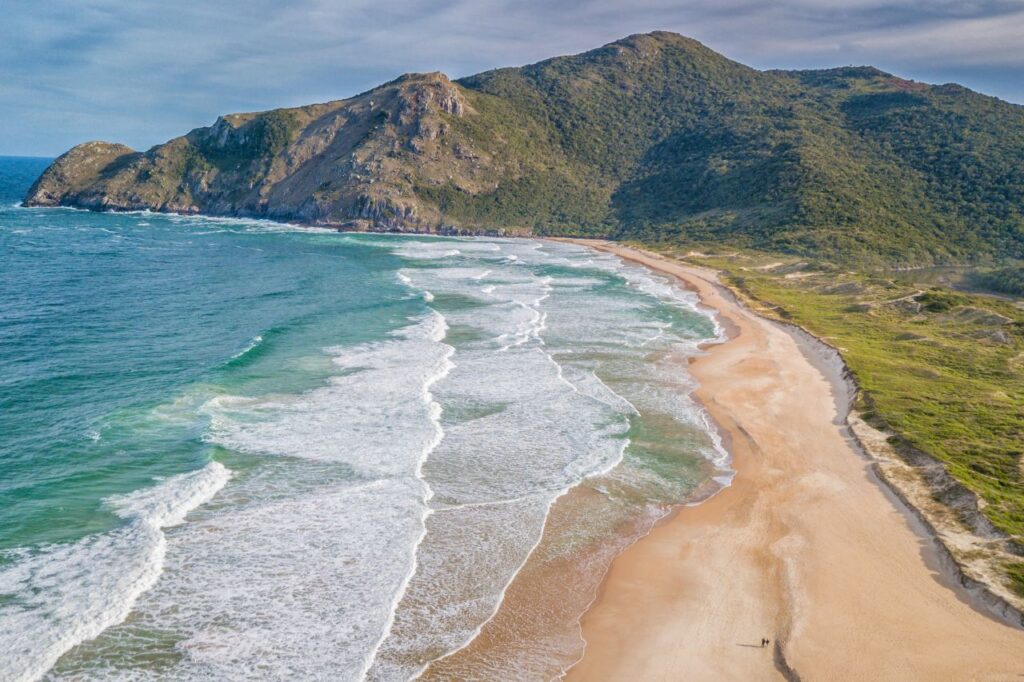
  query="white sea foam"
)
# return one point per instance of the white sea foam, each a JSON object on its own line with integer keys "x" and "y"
{"x": 44, "y": 209}
{"x": 297, "y": 572}
{"x": 544, "y": 429}
{"x": 253, "y": 343}
{"x": 238, "y": 225}
{"x": 479, "y": 247}
{"x": 291, "y": 577}
{"x": 356, "y": 417}
{"x": 424, "y": 250}
{"x": 58, "y": 596}
{"x": 435, "y": 410}
{"x": 378, "y": 531}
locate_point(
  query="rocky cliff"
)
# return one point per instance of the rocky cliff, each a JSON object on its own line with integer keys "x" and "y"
{"x": 355, "y": 161}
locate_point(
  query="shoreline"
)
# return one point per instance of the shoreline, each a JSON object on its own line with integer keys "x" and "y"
{"x": 537, "y": 612}
{"x": 811, "y": 550}
{"x": 943, "y": 565}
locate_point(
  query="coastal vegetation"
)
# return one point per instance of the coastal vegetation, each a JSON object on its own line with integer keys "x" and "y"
{"x": 1008, "y": 280}
{"x": 941, "y": 370}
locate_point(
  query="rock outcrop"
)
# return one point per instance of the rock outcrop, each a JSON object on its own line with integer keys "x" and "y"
{"x": 355, "y": 163}
{"x": 76, "y": 171}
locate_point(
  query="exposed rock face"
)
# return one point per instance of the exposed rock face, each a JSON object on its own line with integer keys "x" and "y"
{"x": 354, "y": 162}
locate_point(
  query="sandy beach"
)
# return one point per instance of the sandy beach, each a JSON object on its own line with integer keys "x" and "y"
{"x": 806, "y": 548}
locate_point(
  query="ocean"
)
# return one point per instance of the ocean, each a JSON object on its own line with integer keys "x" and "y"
{"x": 235, "y": 449}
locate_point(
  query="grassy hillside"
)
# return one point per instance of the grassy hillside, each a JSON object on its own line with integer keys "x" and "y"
{"x": 653, "y": 137}
{"x": 941, "y": 369}
{"x": 848, "y": 164}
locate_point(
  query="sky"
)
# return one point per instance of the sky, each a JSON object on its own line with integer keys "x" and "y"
{"x": 143, "y": 71}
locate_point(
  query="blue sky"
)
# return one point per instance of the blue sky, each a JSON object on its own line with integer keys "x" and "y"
{"x": 142, "y": 71}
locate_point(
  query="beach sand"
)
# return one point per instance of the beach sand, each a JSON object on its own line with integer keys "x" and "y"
{"x": 806, "y": 547}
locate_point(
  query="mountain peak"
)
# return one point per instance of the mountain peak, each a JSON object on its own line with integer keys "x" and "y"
{"x": 656, "y": 42}
{"x": 415, "y": 78}
{"x": 659, "y": 37}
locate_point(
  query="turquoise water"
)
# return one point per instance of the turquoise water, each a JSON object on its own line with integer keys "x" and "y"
{"x": 233, "y": 449}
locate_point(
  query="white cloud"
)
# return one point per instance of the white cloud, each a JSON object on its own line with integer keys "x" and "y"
{"x": 142, "y": 71}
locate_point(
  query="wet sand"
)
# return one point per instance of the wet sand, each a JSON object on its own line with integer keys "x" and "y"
{"x": 806, "y": 547}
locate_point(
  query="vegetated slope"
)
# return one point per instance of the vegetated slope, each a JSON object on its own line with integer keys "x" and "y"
{"x": 1008, "y": 280}
{"x": 941, "y": 372}
{"x": 653, "y": 137}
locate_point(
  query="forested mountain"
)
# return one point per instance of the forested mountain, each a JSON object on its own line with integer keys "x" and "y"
{"x": 652, "y": 137}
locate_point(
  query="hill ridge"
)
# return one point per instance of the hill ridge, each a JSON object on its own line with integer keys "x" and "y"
{"x": 653, "y": 137}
